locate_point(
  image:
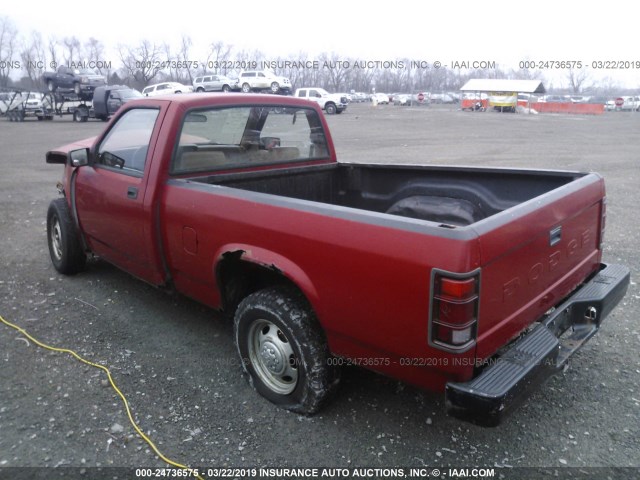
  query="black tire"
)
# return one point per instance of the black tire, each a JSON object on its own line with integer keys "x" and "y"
{"x": 226, "y": 88}
{"x": 246, "y": 88}
{"x": 284, "y": 351}
{"x": 275, "y": 87}
{"x": 330, "y": 108}
{"x": 65, "y": 248}
{"x": 77, "y": 115}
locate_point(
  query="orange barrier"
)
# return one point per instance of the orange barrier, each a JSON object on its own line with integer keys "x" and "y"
{"x": 566, "y": 107}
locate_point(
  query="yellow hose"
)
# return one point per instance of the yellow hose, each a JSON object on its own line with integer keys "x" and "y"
{"x": 124, "y": 400}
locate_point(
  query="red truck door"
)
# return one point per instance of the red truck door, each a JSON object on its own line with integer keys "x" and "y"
{"x": 109, "y": 194}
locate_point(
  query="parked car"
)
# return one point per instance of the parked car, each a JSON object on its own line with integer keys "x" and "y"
{"x": 330, "y": 102}
{"x": 554, "y": 98}
{"x": 380, "y": 98}
{"x": 166, "y": 88}
{"x": 403, "y": 99}
{"x": 627, "y": 103}
{"x": 259, "y": 80}
{"x": 214, "y": 83}
{"x": 359, "y": 97}
{"x": 476, "y": 282}
{"x": 441, "y": 98}
{"x": 5, "y": 100}
{"x": 29, "y": 104}
{"x": 82, "y": 81}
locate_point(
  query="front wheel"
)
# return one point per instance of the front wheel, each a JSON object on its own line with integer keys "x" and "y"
{"x": 283, "y": 349}
{"x": 76, "y": 88}
{"x": 330, "y": 108}
{"x": 226, "y": 88}
{"x": 275, "y": 87}
{"x": 65, "y": 248}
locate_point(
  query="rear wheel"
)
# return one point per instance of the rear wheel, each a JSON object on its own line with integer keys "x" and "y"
{"x": 275, "y": 87}
{"x": 283, "y": 349}
{"x": 65, "y": 248}
{"x": 246, "y": 88}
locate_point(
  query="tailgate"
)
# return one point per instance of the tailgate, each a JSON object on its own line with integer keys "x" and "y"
{"x": 535, "y": 254}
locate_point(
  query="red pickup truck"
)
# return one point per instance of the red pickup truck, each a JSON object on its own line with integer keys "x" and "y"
{"x": 474, "y": 281}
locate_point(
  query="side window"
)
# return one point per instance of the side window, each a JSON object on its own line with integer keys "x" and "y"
{"x": 302, "y": 93}
{"x": 125, "y": 146}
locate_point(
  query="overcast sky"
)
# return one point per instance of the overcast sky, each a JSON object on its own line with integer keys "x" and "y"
{"x": 505, "y": 32}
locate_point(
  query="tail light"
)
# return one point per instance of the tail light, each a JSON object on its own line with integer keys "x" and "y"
{"x": 603, "y": 221}
{"x": 453, "y": 321}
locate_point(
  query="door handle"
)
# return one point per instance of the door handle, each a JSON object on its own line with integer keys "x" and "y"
{"x": 132, "y": 193}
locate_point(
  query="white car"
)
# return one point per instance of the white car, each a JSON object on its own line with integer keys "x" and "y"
{"x": 214, "y": 83}
{"x": 251, "y": 80}
{"x": 166, "y": 88}
{"x": 380, "y": 98}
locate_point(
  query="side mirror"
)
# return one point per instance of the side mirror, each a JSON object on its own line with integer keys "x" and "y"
{"x": 79, "y": 157}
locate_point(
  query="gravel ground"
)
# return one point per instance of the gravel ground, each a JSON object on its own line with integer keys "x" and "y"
{"x": 175, "y": 360}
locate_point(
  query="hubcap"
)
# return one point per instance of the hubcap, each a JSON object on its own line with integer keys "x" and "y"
{"x": 56, "y": 239}
{"x": 273, "y": 357}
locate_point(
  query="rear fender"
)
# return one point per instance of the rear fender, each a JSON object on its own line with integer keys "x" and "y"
{"x": 271, "y": 261}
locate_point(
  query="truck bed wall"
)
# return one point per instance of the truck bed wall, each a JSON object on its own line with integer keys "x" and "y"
{"x": 379, "y": 188}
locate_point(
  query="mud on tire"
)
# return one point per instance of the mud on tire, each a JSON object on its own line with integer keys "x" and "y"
{"x": 284, "y": 350}
{"x": 65, "y": 248}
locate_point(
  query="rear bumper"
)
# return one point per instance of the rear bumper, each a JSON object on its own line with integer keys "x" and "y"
{"x": 540, "y": 353}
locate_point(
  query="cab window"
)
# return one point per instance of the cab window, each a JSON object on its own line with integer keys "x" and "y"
{"x": 243, "y": 137}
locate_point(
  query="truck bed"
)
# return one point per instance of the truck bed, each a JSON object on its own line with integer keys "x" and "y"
{"x": 451, "y": 197}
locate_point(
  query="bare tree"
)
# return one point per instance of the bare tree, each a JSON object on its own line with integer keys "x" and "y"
{"x": 141, "y": 63}
{"x": 8, "y": 45}
{"x": 577, "y": 79}
{"x": 72, "y": 51}
{"x": 53, "y": 49}
{"x": 33, "y": 58}
{"x": 337, "y": 70}
{"x": 218, "y": 59}
{"x": 171, "y": 59}
{"x": 184, "y": 59}
{"x": 95, "y": 55}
